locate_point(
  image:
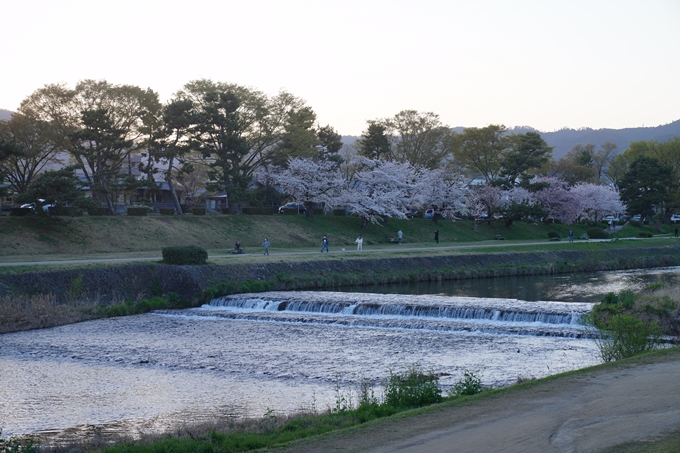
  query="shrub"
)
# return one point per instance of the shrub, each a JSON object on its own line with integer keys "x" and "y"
{"x": 636, "y": 223}
{"x": 553, "y": 234}
{"x": 470, "y": 384}
{"x": 137, "y": 210}
{"x": 98, "y": 211}
{"x": 412, "y": 388}
{"x": 68, "y": 211}
{"x": 644, "y": 234}
{"x": 597, "y": 233}
{"x": 198, "y": 211}
{"x": 624, "y": 336}
{"x": 339, "y": 212}
{"x": 182, "y": 255}
{"x": 167, "y": 211}
{"x": 19, "y": 212}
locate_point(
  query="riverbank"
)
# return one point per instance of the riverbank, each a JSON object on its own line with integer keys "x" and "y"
{"x": 79, "y": 290}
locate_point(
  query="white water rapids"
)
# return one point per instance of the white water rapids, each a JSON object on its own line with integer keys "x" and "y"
{"x": 244, "y": 355}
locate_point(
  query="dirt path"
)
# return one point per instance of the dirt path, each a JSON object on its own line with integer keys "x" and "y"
{"x": 586, "y": 412}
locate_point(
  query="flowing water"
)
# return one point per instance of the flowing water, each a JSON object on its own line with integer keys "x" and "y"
{"x": 245, "y": 355}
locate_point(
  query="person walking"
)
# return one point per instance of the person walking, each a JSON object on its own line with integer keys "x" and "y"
{"x": 676, "y": 231}
{"x": 266, "y": 244}
{"x": 400, "y": 235}
{"x": 436, "y": 236}
{"x": 571, "y": 235}
{"x": 324, "y": 244}
{"x": 359, "y": 242}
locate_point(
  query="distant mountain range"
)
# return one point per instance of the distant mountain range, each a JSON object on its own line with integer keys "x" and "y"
{"x": 565, "y": 139}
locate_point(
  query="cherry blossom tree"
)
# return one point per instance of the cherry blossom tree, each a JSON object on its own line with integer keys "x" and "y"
{"x": 484, "y": 199}
{"x": 442, "y": 188}
{"x": 519, "y": 204}
{"x": 306, "y": 180}
{"x": 597, "y": 200}
{"x": 380, "y": 190}
{"x": 559, "y": 202}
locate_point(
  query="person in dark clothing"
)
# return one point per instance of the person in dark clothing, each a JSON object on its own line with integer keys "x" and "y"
{"x": 324, "y": 244}
{"x": 436, "y": 236}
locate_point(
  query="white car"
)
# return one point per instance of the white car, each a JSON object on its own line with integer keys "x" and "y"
{"x": 675, "y": 218}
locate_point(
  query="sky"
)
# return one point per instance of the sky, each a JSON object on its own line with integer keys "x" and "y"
{"x": 548, "y": 64}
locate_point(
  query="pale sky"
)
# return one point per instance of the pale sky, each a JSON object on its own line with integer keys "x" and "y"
{"x": 542, "y": 63}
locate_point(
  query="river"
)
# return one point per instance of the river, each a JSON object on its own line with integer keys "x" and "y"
{"x": 246, "y": 355}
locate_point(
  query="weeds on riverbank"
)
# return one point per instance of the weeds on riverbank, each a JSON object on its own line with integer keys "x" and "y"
{"x": 355, "y": 404}
{"x": 27, "y": 312}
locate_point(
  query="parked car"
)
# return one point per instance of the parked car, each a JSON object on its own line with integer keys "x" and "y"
{"x": 293, "y": 207}
{"x": 610, "y": 217}
{"x": 429, "y": 214}
{"x": 32, "y": 206}
{"x": 637, "y": 217}
{"x": 675, "y": 218}
{"x": 411, "y": 213}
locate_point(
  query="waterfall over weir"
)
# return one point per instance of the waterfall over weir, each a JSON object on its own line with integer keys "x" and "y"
{"x": 452, "y": 314}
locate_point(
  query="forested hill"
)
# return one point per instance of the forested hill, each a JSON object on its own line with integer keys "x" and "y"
{"x": 565, "y": 139}
{"x": 5, "y": 115}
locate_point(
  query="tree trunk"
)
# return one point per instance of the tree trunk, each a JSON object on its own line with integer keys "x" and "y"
{"x": 364, "y": 223}
{"x": 168, "y": 179}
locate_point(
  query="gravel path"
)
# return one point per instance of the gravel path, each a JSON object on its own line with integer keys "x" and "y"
{"x": 582, "y": 413}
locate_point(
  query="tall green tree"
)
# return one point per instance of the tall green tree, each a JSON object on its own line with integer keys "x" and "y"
{"x": 218, "y": 133}
{"x": 418, "y": 138}
{"x": 374, "y": 142}
{"x": 528, "y": 153}
{"x": 330, "y": 144}
{"x": 480, "y": 151}
{"x": 169, "y": 141}
{"x": 299, "y": 138}
{"x": 9, "y": 149}
{"x": 100, "y": 114}
{"x": 39, "y": 150}
{"x": 645, "y": 185}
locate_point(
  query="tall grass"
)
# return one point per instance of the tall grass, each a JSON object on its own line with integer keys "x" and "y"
{"x": 27, "y": 312}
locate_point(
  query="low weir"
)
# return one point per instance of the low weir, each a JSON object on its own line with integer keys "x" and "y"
{"x": 440, "y": 313}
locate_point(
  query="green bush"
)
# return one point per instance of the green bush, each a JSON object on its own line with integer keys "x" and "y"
{"x": 624, "y": 336}
{"x": 137, "y": 211}
{"x": 644, "y": 234}
{"x": 470, "y": 384}
{"x": 198, "y": 211}
{"x": 597, "y": 233}
{"x": 412, "y": 388}
{"x": 339, "y": 212}
{"x": 98, "y": 211}
{"x": 67, "y": 211}
{"x": 20, "y": 212}
{"x": 182, "y": 255}
{"x": 167, "y": 211}
{"x": 553, "y": 234}
{"x": 636, "y": 223}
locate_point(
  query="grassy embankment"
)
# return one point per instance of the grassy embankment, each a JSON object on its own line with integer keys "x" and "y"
{"x": 48, "y": 238}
